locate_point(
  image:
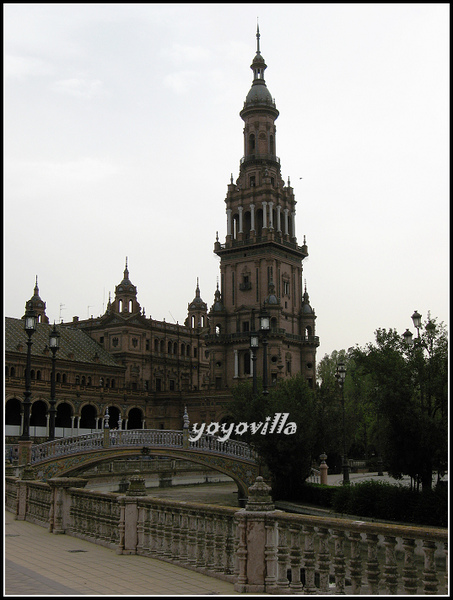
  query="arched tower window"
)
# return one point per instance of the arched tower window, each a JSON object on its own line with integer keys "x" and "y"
{"x": 252, "y": 143}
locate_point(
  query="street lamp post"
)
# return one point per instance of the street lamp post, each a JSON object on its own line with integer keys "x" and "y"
{"x": 265, "y": 325}
{"x": 30, "y": 328}
{"x": 253, "y": 348}
{"x": 54, "y": 344}
{"x": 341, "y": 376}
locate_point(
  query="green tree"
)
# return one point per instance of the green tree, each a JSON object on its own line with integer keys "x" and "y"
{"x": 411, "y": 385}
{"x": 287, "y": 456}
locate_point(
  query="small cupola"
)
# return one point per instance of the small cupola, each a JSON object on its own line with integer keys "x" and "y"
{"x": 125, "y": 302}
{"x": 35, "y": 303}
{"x": 197, "y": 311}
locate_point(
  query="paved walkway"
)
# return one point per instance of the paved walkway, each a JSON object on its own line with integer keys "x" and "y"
{"x": 38, "y": 563}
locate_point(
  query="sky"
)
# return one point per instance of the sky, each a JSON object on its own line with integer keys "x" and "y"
{"x": 122, "y": 130}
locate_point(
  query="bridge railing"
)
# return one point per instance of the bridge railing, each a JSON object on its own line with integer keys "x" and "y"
{"x": 65, "y": 446}
{"x": 129, "y": 438}
{"x": 260, "y": 549}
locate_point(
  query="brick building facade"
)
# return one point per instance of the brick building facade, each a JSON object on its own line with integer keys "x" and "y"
{"x": 145, "y": 371}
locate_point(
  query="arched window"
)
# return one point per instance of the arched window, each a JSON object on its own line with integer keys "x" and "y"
{"x": 83, "y": 380}
{"x": 217, "y": 330}
{"x": 175, "y": 348}
{"x": 252, "y": 143}
{"x": 12, "y": 372}
{"x": 38, "y": 375}
{"x": 131, "y": 305}
{"x": 63, "y": 378}
{"x": 170, "y": 346}
{"x": 58, "y": 377}
{"x": 120, "y": 305}
{"x": 156, "y": 345}
{"x": 77, "y": 379}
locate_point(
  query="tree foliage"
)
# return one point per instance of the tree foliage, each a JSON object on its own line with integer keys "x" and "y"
{"x": 411, "y": 392}
{"x": 287, "y": 456}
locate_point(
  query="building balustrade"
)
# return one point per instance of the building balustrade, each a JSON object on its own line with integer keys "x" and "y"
{"x": 259, "y": 549}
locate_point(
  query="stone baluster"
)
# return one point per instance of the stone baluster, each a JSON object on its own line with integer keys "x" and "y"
{"x": 184, "y": 537}
{"x": 209, "y": 528}
{"x": 160, "y": 524}
{"x": 339, "y": 561}
{"x": 153, "y": 520}
{"x": 282, "y": 557}
{"x": 430, "y": 582}
{"x": 309, "y": 560}
{"x": 201, "y": 541}
{"x": 409, "y": 571}
{"x": 219, "y": 542}
{"x": 295, "y": 558}
{"x": 192, "y": 539}
{"x": 168, "y": 533}
{"x": 390, "y": 570}
{"x": 241, "y": 555}
{"x": 323, "y": 559}
{"x": 229, "y": 548}
{"x": 355, "y": 564}
{"x": 372, "y": 565}
{"x": 270, "y": 554}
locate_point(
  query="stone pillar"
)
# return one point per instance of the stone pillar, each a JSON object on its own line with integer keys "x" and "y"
{"x": 25, "y": 452}
{"x": 60, "y": 507}
{"x": 323, "y": 469}
{"x": 228, "y": 221}
{"x": 22, "y": 492}
{"x": 129, "y": 515}
{"x": 236, "y": 364}
{"x": 240, "y": 209}
{"x": 252, "y": 550}
{"x": 252, "y": 217}
{"x": 285, "y": 213}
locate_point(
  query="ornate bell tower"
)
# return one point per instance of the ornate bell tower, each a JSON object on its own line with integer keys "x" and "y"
{"x": 260, "y": 261}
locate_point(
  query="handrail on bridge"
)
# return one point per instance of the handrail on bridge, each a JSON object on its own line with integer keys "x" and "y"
{"x": 129, "y": 438}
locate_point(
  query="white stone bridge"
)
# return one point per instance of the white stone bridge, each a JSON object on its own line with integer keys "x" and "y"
{"x": 67, "y": 456}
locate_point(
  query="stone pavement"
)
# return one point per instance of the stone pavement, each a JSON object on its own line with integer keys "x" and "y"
{"x": 39, "y": 563}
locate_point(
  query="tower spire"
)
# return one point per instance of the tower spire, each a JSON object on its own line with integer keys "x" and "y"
{"x": 257, "y": 37}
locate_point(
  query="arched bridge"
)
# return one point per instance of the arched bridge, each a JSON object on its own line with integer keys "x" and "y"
{"x": 65, "y": 456}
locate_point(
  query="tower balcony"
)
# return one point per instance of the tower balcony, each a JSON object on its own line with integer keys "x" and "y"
{"x": 258, "y": 158}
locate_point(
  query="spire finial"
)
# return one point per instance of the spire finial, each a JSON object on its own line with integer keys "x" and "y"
{"x": 257, "y": 36}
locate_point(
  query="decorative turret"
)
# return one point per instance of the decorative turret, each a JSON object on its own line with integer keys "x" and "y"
{"x": 35, "y": 303}
{"x": 197, "y": 311}
{"x": 125, "y": 302}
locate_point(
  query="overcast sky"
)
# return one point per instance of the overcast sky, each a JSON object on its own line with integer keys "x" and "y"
{"x": 122, "y": 129}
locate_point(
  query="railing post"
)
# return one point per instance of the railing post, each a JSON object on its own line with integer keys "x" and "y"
{"x": 129, "y": 515}
{"x": 60, "y": 506}
{"x": 251, "y": 551}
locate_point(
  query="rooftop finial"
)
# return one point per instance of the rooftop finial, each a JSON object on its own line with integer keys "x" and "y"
{"x": 257, "y": 36}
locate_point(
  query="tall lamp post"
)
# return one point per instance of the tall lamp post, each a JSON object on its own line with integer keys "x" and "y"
{"x": 341, "y": 376}
{"x": 265, "y": 325}
{"x": 30, "y": 328}
{"x": 253, "y": 348}
{"x": 54, "y": 344}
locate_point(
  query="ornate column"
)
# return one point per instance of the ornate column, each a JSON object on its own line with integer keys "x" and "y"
{"x": 240, "y": 209}
{"x": 264, "y": 205}
{"x": 252, "y": 217}
{"x": 279, "y": 218}
{"x": 228, "y": 221}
